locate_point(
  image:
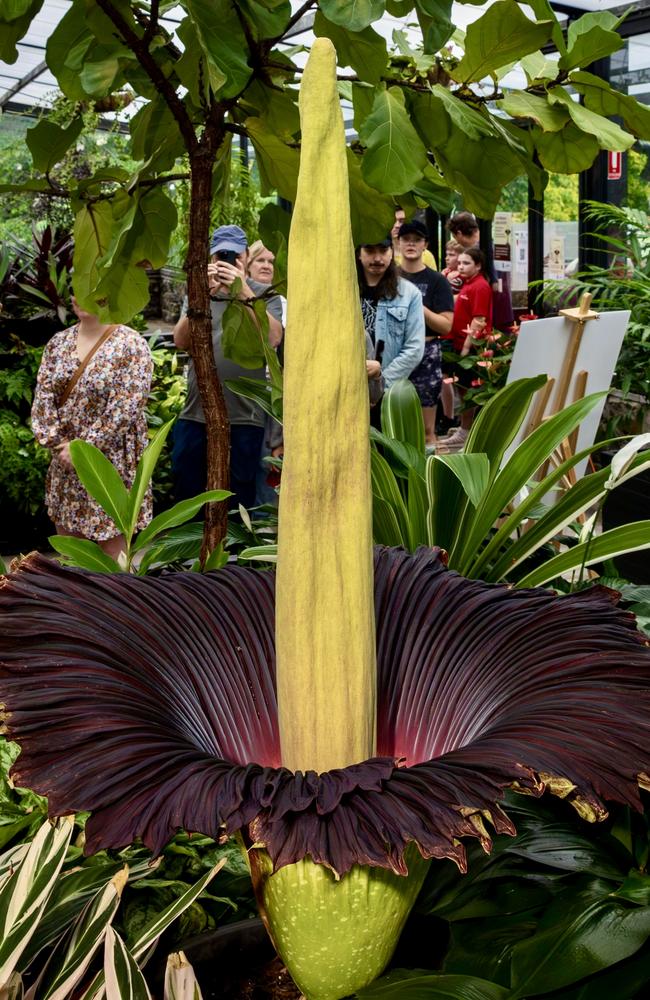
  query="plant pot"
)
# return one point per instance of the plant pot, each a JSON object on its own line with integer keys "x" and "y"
{"x": 625, "y": 413}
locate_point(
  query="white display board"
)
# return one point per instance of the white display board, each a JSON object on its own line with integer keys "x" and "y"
{"x": 541, "y": 349}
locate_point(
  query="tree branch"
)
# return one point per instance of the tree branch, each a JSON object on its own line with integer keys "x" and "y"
{"x": 140, "y": 49}
{"x": 153, "y": 23}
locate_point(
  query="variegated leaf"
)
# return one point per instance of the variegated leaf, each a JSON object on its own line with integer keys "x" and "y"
{"x": 180, "y": 981}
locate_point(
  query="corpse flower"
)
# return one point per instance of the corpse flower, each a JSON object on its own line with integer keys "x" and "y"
{"x": 351, "y": 719}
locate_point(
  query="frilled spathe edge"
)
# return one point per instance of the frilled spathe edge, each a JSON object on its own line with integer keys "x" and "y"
{"x": 150, "y": 702}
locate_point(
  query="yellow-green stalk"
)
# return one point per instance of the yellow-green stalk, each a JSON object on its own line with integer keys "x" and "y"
{"x": 325, "y": 634}
{"x": 334, "y": 936}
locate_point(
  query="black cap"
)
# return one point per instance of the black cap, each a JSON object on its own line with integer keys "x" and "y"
{"x": 386, "y": 242}
{"x": 416, "y": 227}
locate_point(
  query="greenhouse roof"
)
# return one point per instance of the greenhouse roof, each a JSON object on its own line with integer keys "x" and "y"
{"x": 27, "y": 84}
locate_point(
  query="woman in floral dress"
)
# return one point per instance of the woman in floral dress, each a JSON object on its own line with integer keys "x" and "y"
{"x": 106, "y": 407}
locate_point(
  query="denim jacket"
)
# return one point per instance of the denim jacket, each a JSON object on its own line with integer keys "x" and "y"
{"x": 400, "y": 325}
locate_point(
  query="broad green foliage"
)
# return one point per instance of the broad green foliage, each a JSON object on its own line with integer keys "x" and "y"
{"x": 102, "y": 480}
{"x": 424, "y": 126}
{"x": 489, "y": 514}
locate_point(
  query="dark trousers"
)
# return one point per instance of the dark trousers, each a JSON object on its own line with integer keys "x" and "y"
{"x": 190, "y": 463}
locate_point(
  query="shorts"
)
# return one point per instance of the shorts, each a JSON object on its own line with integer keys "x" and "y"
{"x": 427, "y": 377}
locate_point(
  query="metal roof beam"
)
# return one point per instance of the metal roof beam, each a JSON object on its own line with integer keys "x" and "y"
{"x": 24, "y": 80}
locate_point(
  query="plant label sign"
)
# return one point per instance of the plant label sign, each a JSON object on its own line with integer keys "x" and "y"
{"x": 544, "y": 347}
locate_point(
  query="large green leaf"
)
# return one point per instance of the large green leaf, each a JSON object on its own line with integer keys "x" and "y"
{"x": 102, "y": 480}
{"x": 260, "y": 392}
{"x": 277, "y": 108}
{"x": 401, "y": 415}
{"x": 178, "y": 514}
{"x": 277, "y": 162}
{"x": 472, "y": 471}
{"x": 590, "y": 37}
{"x": 155, "y": 137}
{"x": 48, "y": 143}
{"x": 499, "y": 421}
{"x": 502, "y": 34}
{"x": 608, "y": 134}
{"x": 242, "y": 339}
{"x": 395, "y": 155}
{"x": 365, "y": 51}
{"x": 417, "y": 504}
{"x": 568, "y": 151}
{"x": 521, "y": 104}
{"x": 475, "y": 124}
{"x": 16, "y": 17}
{"x": 604, "y": 100}
{"x": 84, "y": 553}
{"x": 24, "y": 896}
{"x": 223, "y": 43}
{"x": 423, "y": 985}
{"x": 385, "y": 487}
{"x": 518, "y": 470}
{"x": 183, "y": 542}
{"x": 385, "y": 527}
{"x": 447, "y": 501}
{"x": 436, "y": 23}
{"x": 353, "y": 14}
{"x": 605, "y": 932}
{"x": 143, "y": 474}
{"x": 265, "y": 18}
{"x": 371, "y": 214}
{"x": 609, "y": 545}
{"x": 463, "y": 165}
{"x": 571, "y": 505}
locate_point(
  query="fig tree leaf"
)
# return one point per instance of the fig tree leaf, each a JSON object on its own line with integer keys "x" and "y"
{"x": 191, "y": 68}
{"x": 521, "y": 104}
{"x": 566, "y": 152}
{"x": 395, "y": 155}
{"x": 471, "y": 122}
{"x": 15, "y": 19}
{"x": 48, "y": 143}
{"x": 589, "y": 38}
{"x": 543, "y": 11}
{"x": 242, "y": 341}
{"x": 502, "y": 34}
{"x": 352, "y": 14}
{"x": 537, "y": 67}
{"x": 265, "y": 18}
{"x": 155, "y": 136}
{"x": 362, "y": 100}
{"x": 609, "y": 134}
{"x": 66, "y": 50}
{"x": 433, "y": 189}
{"x": 277, "y": 162}
{"x": 364, "y": 51}
{"x": 601, "y": 98}
{"x": 371, "y": 213}
{"x": 278, "y": 108}
{"x": 222, "y": 40}
{"x": 434, "y": 17}
{"x": 464, "y": 166}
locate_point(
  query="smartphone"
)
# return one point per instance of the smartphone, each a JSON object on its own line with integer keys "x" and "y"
{"x": 228, "y": 255}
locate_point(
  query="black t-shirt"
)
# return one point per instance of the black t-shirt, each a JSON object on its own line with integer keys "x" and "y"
{"x": 435, "y": 290}
{"x": 369, "y": 298}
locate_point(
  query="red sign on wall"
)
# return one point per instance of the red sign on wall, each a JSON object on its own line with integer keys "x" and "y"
{"x": 614, "y": 166}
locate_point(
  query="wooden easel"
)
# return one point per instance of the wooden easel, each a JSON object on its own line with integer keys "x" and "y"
{"x": 579, "y": 316}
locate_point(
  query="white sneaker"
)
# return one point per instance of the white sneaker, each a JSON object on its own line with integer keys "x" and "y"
{"x": 453, "y": 442}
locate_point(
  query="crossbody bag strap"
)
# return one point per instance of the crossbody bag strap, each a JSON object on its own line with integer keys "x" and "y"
{"x": 65, "y": 395}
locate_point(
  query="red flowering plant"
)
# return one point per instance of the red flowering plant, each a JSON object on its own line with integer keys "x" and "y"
{"x": 350, "y": 716}
{"x": 489, "y": 362}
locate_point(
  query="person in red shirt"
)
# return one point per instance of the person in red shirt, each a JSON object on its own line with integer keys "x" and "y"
{"x": 472, "y": 320}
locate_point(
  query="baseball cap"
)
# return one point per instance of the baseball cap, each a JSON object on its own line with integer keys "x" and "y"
{"x": 386, "y": 242}
{"x": 414, "y": 227}
{"x": 229, "y": 238}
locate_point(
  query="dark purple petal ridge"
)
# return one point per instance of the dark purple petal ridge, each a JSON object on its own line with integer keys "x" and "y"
{"x": 151, "y": 702}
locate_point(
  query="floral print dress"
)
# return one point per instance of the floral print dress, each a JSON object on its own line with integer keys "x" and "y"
{"x": 105, "y": 408}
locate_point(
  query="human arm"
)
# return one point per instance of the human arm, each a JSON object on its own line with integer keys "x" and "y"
{"x": 438, "y": 305}
{"x": 46, "y": 424}
{"x": 438, "y": 323}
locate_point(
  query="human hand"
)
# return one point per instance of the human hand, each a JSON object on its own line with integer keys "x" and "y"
{"x": 227, "y": 274}
{"x": 62, "y": 452}
{"x": 373, "y": 369}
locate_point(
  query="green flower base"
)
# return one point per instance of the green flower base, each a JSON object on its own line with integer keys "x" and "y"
{"x": 336, "y": 936}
